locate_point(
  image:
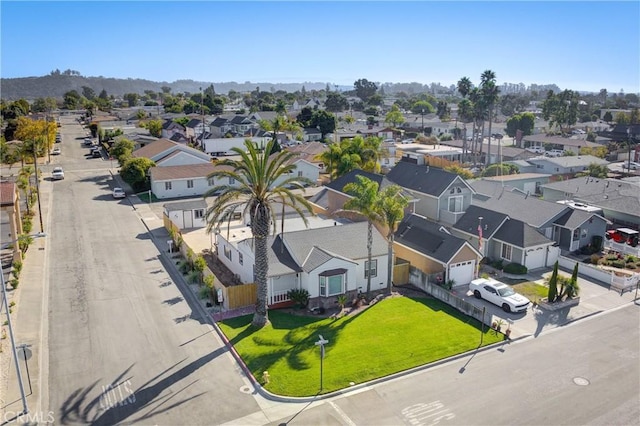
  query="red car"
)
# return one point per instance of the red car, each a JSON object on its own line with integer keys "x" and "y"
{"x": 623, "y": 235}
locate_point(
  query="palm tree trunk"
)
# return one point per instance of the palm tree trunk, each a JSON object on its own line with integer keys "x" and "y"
{"x": 260, "y": 225}
{"x": 369, "y": 249}
{"x": 489, "y": 147}
{"x": 389, "y": 261}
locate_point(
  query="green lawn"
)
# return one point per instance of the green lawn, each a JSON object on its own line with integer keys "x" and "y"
{"x": 532, "y": 290}
{"x": 393, "y": 335}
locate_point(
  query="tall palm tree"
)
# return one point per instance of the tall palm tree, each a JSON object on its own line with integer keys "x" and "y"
{"x": 365, "y": 202}
{"x": 464, "y": 108}
{"x": 262, "y": 181}
{"x": 391, "y": 205}
{"x": 490, "y": 96}
{"x": 351, "y": 154}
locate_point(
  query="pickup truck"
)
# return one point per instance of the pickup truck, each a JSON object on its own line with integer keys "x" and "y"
{"x": 499, "y": 294}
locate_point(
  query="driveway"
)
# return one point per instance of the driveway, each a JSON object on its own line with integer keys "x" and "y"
{"x": 595, "y": 297}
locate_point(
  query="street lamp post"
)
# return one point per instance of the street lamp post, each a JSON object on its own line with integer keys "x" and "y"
{"x": 321, "y": 343}
{"x": 422, "y": 115}
{"x": 629, "y": 148}
{"x": 25, "y": 408}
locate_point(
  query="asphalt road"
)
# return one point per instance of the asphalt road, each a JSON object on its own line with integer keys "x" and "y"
{"x": 124, "y": 345}
{"x": 585, "y": 373}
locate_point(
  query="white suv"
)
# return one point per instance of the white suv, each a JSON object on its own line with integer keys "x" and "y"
{"x": 554, "y": 153}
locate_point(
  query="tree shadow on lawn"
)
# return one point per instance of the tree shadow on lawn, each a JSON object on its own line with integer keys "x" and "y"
{"x": 301, "y": 336}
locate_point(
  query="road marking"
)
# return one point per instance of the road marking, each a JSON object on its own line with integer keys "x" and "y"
{"x": 422, "y": 414}
{"x": 342, "y": 414}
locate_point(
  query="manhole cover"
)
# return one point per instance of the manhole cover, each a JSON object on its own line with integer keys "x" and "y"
{"x": 580, "y": 381}
{"x": 245, "y": 389}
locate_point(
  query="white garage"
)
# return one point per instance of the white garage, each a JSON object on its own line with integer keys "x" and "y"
{"x": 535, "y": 257}
{"x": 462, "y": 273}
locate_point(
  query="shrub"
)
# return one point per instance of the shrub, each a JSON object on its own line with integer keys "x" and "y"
{"x": 14, "y": 283}
{"x": 515, "y": 268}
{"x": 300, "y": 296}
{"x": 497, "y": 264}
{"x": 194, "y": 277}
{"x": 618, "y": 264}
{"x": 595, "y": 259}
{"x": 208, "y": 281}
{"x": 553, "y": 285}
{"x": 204, "y": 292}
{"x": 17, "y": 268}
{"x": 184, "y": 267}
{"x": 631, "y": 266}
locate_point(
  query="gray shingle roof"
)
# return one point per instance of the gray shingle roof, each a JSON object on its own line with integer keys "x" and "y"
{"x": 610, "y": 194}
{"x": 349, "y": 241}
{"x": 424, "y": 236}
{"x": 573, "y": 218}
{"x": 529, "y": 209}
{"x": 424, "y": 179}
{"x": 185, "y": 205}
{"x": 469, "y": 222}
{"x": 518, "y": 233}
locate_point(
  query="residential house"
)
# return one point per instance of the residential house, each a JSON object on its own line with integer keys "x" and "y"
{"x": 310, "y": 152}
{"x": 10, "y": 205}
{"x": 332, "y": 197}
{"x": 241, "y": 124}
{"x": 441, "y": 196}
{"x": 556, "y": 142}
{"x": 195, "y": 127}
{"x": 171, "y": 128}
{"x": 164, "y": 152}
{"x": 311, "y": 134}
{"x": 498, "y": 153}
{"x": 327, "y": 261}
{"x": 525, "y": 182}
{"x": 186, "y": 214}
{"x": 183, "y": 181}
{"x": 566, "y": 166}
{"x": 570, "y": 228}
{"x": 618, "y": 199}
{"x": 431, "y": 249}
{"x": 498, "y": 236}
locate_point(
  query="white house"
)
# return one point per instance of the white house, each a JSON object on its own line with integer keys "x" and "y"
{"x": 182, "y": 181}
{"x": 222, "y": 146}
{"x": 187, "y": 214}
{"x": 327, "y": 261}
{"x": 168, "y": 153}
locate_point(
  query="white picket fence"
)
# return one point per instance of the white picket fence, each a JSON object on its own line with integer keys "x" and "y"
{"x": 619, "y": 283}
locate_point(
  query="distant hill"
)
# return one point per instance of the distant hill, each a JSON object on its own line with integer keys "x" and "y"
{"x": 55, "y": 86}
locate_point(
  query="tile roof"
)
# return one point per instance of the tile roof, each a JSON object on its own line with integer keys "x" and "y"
{"x": 190, "y": 171}
{"x": 570, "y": 160}
{"x": 424, "y": 179}
{"x": 426, "y": 237}
{"x": 7, "y": 193}
{"x": 154, "y": 148}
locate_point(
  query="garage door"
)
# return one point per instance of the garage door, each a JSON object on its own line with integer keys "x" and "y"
{"x": 535, "y": 258}
{"x": 462, "y": 273}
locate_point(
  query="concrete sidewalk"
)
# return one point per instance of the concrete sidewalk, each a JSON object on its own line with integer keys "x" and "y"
{"x": 29, "y": 319}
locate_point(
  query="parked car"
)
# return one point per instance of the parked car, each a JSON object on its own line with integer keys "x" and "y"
{"x": 631, "y": 166}
{"x": 119, "y": 193}
{"x": 96, "y": 153}
{"x": 499, "y": 294}
{"x": 536, "y": 149}
{"x": 57, "y": 174}
{"x": 623, "y": 236}
{"x": 88, "y": 142}
{"x": 554, "y": 153}
{"x": 56, "y": 151}
{"x": 58, "y": 138}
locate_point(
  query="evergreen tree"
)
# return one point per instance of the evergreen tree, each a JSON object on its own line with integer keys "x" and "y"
{"x": 553, "y": 285}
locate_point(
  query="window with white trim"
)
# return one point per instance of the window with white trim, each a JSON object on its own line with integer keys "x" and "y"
{"x": 190, "y": 183}
{"x": 231, "y": 181}
{"x": 506, "y": 251}
{"x": 198, "y": 214}
{"x": 227, "y": 252}
{"x": 240, "y": 258}
{"x": 331, "y": 285}
{"x": 167, "y": 186}
{"x": 210, "y": 181}
{"x": 373, "y": 268}
{"x": 455, "y": 203}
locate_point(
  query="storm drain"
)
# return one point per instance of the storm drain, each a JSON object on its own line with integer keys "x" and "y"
{"x": 581, "y": 381}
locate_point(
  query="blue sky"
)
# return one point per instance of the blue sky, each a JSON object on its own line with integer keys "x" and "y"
{"x": 584, "y": 45}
